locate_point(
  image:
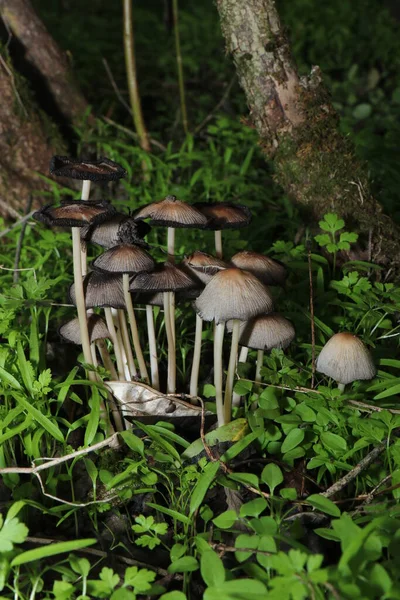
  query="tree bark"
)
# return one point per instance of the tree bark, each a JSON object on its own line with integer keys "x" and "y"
{"x": 45, "y": 55}
{"x": 298, "y": 127}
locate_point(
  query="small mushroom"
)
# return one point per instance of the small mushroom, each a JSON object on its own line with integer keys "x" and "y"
{"x": 345, "y": 358}
{"x": 230, "y": 294}
{"x": 223, "y": 215}
{"x": 107, "y": 233}
{"x": 268, "y": 270}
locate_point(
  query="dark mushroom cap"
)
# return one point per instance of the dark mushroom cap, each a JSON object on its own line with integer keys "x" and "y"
{"x": 76, "y": 213}
{"x": 202, "y": 265}
{"x": 345, "y": 358}
{"x": 103, "y": 169}
{"x": 233, "y": 294}
{"x": 96, "y": 326}
{"x": 268, "y": 270}
{"x": 151, "y": 298}
{"x": 108, "y": 233}
{"x": 125, "y": 258}
{"x": 101, "y": 289}
{"x": 165, "y": 278}
{"x": 171, "y": 212}
{"x": 224, "y": 215}
{"x": 265, "y": 332}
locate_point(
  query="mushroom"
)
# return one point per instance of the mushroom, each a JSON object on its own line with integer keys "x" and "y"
{"x": 345, "y": 358}
{"x": 106, "y": 234}
{"x": 268, "y": 270}
{"x": 166, "y": 278}
{"x": 230, "y": 294}
{"x": 223, "y": 215}
{"x": 172, "y": 213}
{"x": 98, "y": 332}
{"x": 150, "y": 300}
{"x": 203, "y": 266}
{"x": 127, "y": 259}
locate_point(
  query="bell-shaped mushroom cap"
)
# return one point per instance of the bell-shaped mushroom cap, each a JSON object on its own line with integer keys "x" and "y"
{"x": 233, "y": 294}
{"x": 224, "y": 215}
{"x": 107, "y": 234}
{"x": 101, "y": 289}
{"x": 202, "y": 265}
{"x": 171, "y": 212}
{"x": 151, "y": 298}
{"x": 268, "y": 270}
{"x": 96, "y": 326}
{"x": 125, "y": 258}
{"x": 265, "y": 332}
{"x": 165, "y": 278}
{"x": 76, "y": 213}
{"x": 103, "y": 169}
{"x": 345, "y": 358}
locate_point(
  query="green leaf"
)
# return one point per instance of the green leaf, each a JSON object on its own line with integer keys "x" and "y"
{"x": 139, "y": 579}
{"x": 324, "y": 505}
{"x": 94, "y": 417}
{"x": 156, "y": 437}
{"x": 133, "y": 442}
{"x": 293, "y": 439}
{"x": 237, "y": 589}
{"x": 245, "y": 479}
{"x": 391, "y": 391}
{"x": 272, "y": 476}
{"x": 362, "y": 111}
{"x": 45, "y": 422}
{"x": 175, "y": 595}
{"x": 172, "y": 513}
{"x": 231, "y": 432}
{"x": 51, "y": 550}
{"x": 246, "y": 540}
{"x": 226, "y": 519}
{"x": 10, "y": 379}
{"x": 253, "y": 508}
{"x": 333, "y": 442}
{"x": 12, "y": 532}
{"x": 212, "y": 568}
{"x": 186, "y": 564}
{"x": 202, "y": 485}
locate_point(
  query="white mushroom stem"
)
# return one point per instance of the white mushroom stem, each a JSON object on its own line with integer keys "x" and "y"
{"x": 80, "y": 299}
{"x": 218, "y": 344}
{"x": 259, "y": 364}
{"x": 171, "y": 244}
{"x": 134, "y": 330}
{"x": 218, "y": 243}
{"x": 231, "y": 370}
{"x": 341, "y": 387}
{"x": 171, "y": 381}
{"x": 155, "y": 379}
{"x": 114, "y": 312}
{"x": 127, "y": 343}
{"x": 172, "y": 313}
{"x": 237, "y": 398}
{"x": 114, "y": 339}
{"x": 86, "y": 183}
{"x": 194, "y": 377}
{"x": 94, "y": 357}
{"x": 106, "y": 358}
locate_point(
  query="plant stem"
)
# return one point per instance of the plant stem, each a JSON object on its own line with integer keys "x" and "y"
{"x": 134, "y": 330}
{"x": 114, "y": 339}
{"x": 130, "y": 62}
{"x": 155, "y": 379}
{"x": 85, "y": 192}
{"x": 94, "y": 357}
{"x": 127, "y": 343}
{"x": 179, "y": 65}
{"x": 106, "y": 358}
{"x": 218, "y": 344}
{"x": 236, "y": 398}
{"x": 171, "y": 244}
{"x": 80, "y": 299}
{"x": 341, "y": 387}
{"x": 171, "y": 384}
{"x": 218, "y": 243}
{"x": 194, "y": 377}
{"x": 231, "y": 370}
{"x": 259, "y": 364}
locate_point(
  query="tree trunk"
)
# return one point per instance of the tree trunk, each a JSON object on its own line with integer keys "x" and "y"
{"x": 42, "y": 52}
{"x": 298, "y": 127}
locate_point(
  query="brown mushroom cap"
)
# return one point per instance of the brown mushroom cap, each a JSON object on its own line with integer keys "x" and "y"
{"x": 101, "y": 289}
{"x": 268, "y": 270}
{"x": 171, "y": 212}
{"x": 224, "y": 215}
{"x": 233, "y": 294}
{"x": 345, "y": 358}
{"x": 75, "y": 213}
{"x": 103, "y": 169}
{"x": 96, "y": 326}
{"x": 166, "y": 277}
{"x": 202, "y": 265}
{"x": 108, "y": 233}
{"x": 125, "y": 258}
{"x": 266, "y": 332}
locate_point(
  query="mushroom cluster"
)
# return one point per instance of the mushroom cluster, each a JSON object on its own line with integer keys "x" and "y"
{"x": 232, "y": 293}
